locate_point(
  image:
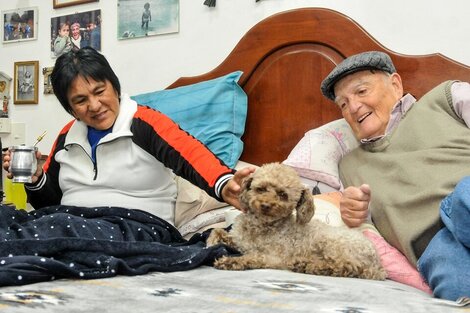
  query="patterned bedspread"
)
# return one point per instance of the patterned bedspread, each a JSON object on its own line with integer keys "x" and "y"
{"x": 205, "y": 289}
{"x": 74, "y": 242}
{"x": 62, "y": 248}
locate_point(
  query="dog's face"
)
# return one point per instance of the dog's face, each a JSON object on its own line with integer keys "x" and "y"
{"x": 273, "y": 192}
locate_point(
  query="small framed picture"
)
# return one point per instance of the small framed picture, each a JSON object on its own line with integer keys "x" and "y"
{"x": 75, "y": 31}
{"x": 26, "y": 82}
{"x": 19, "y": 25}
{"x": 143, "y": 18}
{"x": 47, "y": 71}
{"x": 5, "y": 84}
{"x": 56, "y": 4}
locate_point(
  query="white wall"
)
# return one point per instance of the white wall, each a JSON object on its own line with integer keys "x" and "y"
{"x": 207, "y": 35}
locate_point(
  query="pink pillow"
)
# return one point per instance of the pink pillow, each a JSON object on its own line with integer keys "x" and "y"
{"x": 318, "y": 153}
{"x": 395, "y": 263}
{"x": 397, "y": 266}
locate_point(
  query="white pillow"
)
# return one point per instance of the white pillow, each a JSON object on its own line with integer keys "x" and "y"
{"x": 318, "y": 153}
{"x": 192, "y": 201}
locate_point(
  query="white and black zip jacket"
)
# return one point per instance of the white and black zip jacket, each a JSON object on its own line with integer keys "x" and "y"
{"x": 134, "y": 167}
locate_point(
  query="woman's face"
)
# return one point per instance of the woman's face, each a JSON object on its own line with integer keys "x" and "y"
{"x": 366, "y": 100}
{"x": 94, "y": 103}
{"x": 75, "y": 31}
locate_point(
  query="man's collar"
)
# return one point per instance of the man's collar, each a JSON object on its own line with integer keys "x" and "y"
{"x": 398, "y": 111}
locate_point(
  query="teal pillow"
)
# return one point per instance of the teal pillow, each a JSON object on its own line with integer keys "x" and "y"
{"x": 213, "y": 111}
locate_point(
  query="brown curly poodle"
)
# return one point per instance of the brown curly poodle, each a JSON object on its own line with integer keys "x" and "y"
{"x": 271, "y": 235}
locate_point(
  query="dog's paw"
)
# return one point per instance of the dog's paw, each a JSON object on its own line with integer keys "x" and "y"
{"x": 229, "y": 263}
{"x": 217, "y": 235}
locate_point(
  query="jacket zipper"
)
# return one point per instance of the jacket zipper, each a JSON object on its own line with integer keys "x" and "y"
{"x": 95, "y": 166}
{"x": 95, "y": 169}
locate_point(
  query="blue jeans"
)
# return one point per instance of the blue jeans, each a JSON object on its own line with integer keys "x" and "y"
{"x": 445, "y": 264}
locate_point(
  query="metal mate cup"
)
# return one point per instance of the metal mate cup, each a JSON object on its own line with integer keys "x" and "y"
{"x": 23, "y": 163}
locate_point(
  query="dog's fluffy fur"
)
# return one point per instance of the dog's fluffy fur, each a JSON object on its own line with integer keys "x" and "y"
{"x": 270, "y": 235}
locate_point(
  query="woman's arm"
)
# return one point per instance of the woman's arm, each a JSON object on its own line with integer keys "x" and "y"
{"x": 45, "y": 190}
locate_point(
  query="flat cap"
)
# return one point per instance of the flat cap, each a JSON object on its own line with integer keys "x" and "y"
{"x": 371, "y": 60}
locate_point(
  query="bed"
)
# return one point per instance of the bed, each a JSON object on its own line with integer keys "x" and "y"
{"x": 279, "y": 64}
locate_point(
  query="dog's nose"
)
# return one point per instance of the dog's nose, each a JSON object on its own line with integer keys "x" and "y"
{"x": 265, "y": 207}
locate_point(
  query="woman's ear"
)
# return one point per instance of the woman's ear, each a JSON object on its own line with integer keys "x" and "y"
{"x": 71, "y": 112}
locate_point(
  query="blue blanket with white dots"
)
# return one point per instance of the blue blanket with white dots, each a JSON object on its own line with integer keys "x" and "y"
{"x": 75, "y": 242}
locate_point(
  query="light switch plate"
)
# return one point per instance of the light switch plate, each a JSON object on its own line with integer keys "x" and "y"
{"x": 18, "y": 134}
{"x": 5, "y": 125}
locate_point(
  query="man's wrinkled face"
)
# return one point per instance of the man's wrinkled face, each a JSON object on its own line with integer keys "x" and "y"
{"x": 366, "y": 99}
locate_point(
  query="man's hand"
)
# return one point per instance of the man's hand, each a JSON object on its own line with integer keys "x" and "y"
{"x": 232, "y": 189}
{"x": 354, "y": 205}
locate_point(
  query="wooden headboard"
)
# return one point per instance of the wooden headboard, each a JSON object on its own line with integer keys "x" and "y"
{"x": 285, "y": 57}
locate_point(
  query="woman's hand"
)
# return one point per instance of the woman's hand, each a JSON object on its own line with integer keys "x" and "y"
{"x": 354, "y": 205}
{"x": 6, "y": 166}
{"x": 231, "y": 190}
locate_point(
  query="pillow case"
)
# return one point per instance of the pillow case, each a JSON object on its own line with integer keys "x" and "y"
{"x": 213, "y": 111}
{"x": 192, "y": 202}
{"x": 318, "y": 153}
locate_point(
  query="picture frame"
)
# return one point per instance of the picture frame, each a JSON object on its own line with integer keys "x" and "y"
{"x": 75, "y": 31}
{"x": 57, "y": 4}
{"x": 19, "y": 24}
{"x": 25, "y": 82}
{"x": 46, "y": 72}
{"x": 140, "y": 19}
{"x": 5, "y": 85}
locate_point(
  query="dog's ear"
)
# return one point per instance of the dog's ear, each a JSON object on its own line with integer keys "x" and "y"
{"x": 246, "y": 183}
{"x": 305, "y": 207}
{"x": 242, "y": 197}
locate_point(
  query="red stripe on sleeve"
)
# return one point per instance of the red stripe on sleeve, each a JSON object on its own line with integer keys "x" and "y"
{"x": 51, "y": 154}
{"x": 193, "y": 151}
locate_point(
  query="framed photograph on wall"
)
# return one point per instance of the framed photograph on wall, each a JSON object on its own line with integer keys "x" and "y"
{"x": 5, "y": 84}
{"x": 19, "y": 25}
{"x": 137, "y": 18}
{"x": 25, "y": 82}
{"x": 56, "y": 4}
{"x": 75, "y": 31}
{"x": 46, "y": 72}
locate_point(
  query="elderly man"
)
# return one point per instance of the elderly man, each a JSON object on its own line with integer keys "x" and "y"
{"x": 412, "y": 155}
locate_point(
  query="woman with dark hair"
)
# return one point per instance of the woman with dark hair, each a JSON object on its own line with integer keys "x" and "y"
{"x": 117, "y": 153}
{"x": 104, "y": 199}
